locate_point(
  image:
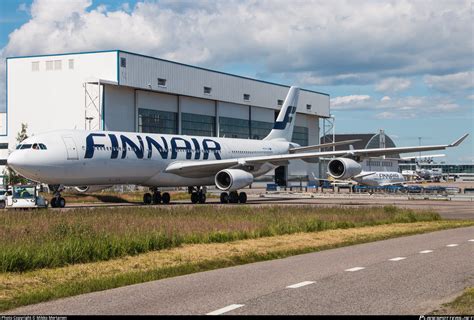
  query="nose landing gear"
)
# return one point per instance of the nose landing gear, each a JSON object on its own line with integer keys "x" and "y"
{"x": 57, "y": 201}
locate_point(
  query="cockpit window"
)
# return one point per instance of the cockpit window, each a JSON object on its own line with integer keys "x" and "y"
{"x": 36, "y": 146}
{"x": 42, "y": 146}
{"x": 25, "y": 146}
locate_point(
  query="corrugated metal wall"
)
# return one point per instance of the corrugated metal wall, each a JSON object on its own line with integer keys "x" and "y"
{"x": 143, "y": 72}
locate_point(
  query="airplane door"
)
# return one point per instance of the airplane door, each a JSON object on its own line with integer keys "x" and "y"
{"x": 70, "y": 148}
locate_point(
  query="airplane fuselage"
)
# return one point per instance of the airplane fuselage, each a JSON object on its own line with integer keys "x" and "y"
{"x": 75, "y": 157}
{"x": 379, "y": 178}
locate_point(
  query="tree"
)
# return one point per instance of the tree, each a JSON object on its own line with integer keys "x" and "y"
{"x": 13, "y": 177}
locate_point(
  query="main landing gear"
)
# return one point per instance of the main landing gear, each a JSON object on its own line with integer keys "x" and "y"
{"x": 198, "y": 194}
{"x": 57, "y": 201}
{"x": 233, "y": 197}
{"x": 156, "y": 197}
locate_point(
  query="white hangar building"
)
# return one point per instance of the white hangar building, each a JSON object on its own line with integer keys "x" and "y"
{"x": 124, "y": 91}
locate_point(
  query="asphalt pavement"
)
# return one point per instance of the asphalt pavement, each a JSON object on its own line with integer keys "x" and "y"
{"x": 407, "y": 275}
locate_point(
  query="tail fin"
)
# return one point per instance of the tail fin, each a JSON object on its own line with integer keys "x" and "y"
{"x": 285, "y": 122}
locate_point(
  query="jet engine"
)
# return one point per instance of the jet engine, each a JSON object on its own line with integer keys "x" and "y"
{"x": 233, "y": 179}
{"x": 86, "y": 189}
{"x": 344, "y": 168}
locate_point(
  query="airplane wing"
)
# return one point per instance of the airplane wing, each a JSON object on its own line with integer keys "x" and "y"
{"x": 197, "y": 169}
{"x": 324, "y": 145}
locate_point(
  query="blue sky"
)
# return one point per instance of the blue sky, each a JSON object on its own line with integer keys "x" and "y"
{"x": 403, "y": 66}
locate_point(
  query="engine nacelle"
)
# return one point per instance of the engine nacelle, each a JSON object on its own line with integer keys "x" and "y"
{"x": 233, "y": 179}
{"x": 85, "y": 189}
{"x": 344, "y": 168}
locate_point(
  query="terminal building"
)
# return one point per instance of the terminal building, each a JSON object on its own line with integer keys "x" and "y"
{"x": 123, "y": 91}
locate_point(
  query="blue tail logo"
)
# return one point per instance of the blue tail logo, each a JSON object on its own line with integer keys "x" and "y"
{"x": 281, "y": 125}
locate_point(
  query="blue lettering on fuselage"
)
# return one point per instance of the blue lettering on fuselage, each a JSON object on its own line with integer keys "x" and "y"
{"x": 175, "y": 148}
{"x": 90, "y": 145}
{"x": 163, "y": 150}
{"x": 126, "y": 141}
{"x": 175, "y": 145}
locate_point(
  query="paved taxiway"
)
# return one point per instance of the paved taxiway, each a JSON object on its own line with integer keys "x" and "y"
{"x": 447, "y": 209}
{"x": 408, "y": 275}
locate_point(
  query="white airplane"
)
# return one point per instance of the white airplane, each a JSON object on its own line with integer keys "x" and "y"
{"x": 102, "y": 158}
{"x": 419, "y": 173}
{"x": 372, "y": 178}
{"x": 376, "y": 178}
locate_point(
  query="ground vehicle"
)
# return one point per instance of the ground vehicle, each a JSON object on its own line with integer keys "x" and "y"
{"x": 414, "y": 189}
{"x": 23, "y": 197}
{"x": 3, "y": 195}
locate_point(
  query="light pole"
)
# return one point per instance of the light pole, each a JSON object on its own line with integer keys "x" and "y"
{"x": 419, "y": 144}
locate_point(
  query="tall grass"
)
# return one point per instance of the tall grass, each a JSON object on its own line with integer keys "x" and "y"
{"x": 50, "y": 238}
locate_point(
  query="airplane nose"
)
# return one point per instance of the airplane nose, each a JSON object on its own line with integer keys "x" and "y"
{"x": 13, "y": 160}
{"x": 17, "y": 161}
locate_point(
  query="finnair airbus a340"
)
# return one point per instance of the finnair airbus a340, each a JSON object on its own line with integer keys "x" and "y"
{"x": 94, "y": 159}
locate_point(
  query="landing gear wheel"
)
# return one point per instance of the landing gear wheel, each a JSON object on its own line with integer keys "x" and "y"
{"x": 224, "y": 197}
{"x": 53, "y": 203}
{"x": 233, "y": 197}
{"x": 194, "y": 197}
{"x": 242, "y": 197}
{"x": 147, "y": 198}
{"x": 165, "y": 197}
{"x": 202, "y": 197}
{"x": 156, "y": 197}
{"x": 61, "y": 202}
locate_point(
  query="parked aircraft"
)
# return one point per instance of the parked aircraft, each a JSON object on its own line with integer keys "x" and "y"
{"x": 419, "y": 173}
{"x": 90, "y": 159}
{"x": 373, "y": 179}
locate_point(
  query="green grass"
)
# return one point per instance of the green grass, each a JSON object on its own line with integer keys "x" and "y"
{"x": 50, "y": 238}
{"x": 53, "y": 287}
{"x": 462, "y": 305}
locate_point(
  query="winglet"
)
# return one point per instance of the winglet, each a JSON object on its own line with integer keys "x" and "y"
{"x": 458, "y": 141}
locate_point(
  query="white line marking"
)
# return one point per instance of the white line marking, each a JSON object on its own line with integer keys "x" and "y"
{"x": 301, "y": 284}
{"x": 355, "y": 269}
{"x": 426, "y": 251}
{"x": 397, "y": 259}
{"x": 471, "y": 240}
{"x": 452, "y": 245}
{"x": 225, "y": 309}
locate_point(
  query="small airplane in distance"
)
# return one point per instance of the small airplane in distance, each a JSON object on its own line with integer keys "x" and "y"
{"x": 419, "y": 173}
{"x": 94, "y": 159}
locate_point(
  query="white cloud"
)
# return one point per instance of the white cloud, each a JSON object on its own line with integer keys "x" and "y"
{"x": 470, "y": 97}
{"x": 451, "y": 82}
{"x": 329, "y": 38}
{"x": 388, "y": 115}
{"x": 396, "y": 107}
{"x": 320, "y": 42}
{"x": 392, "y": 84}
{"x": 349, "y": 102}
